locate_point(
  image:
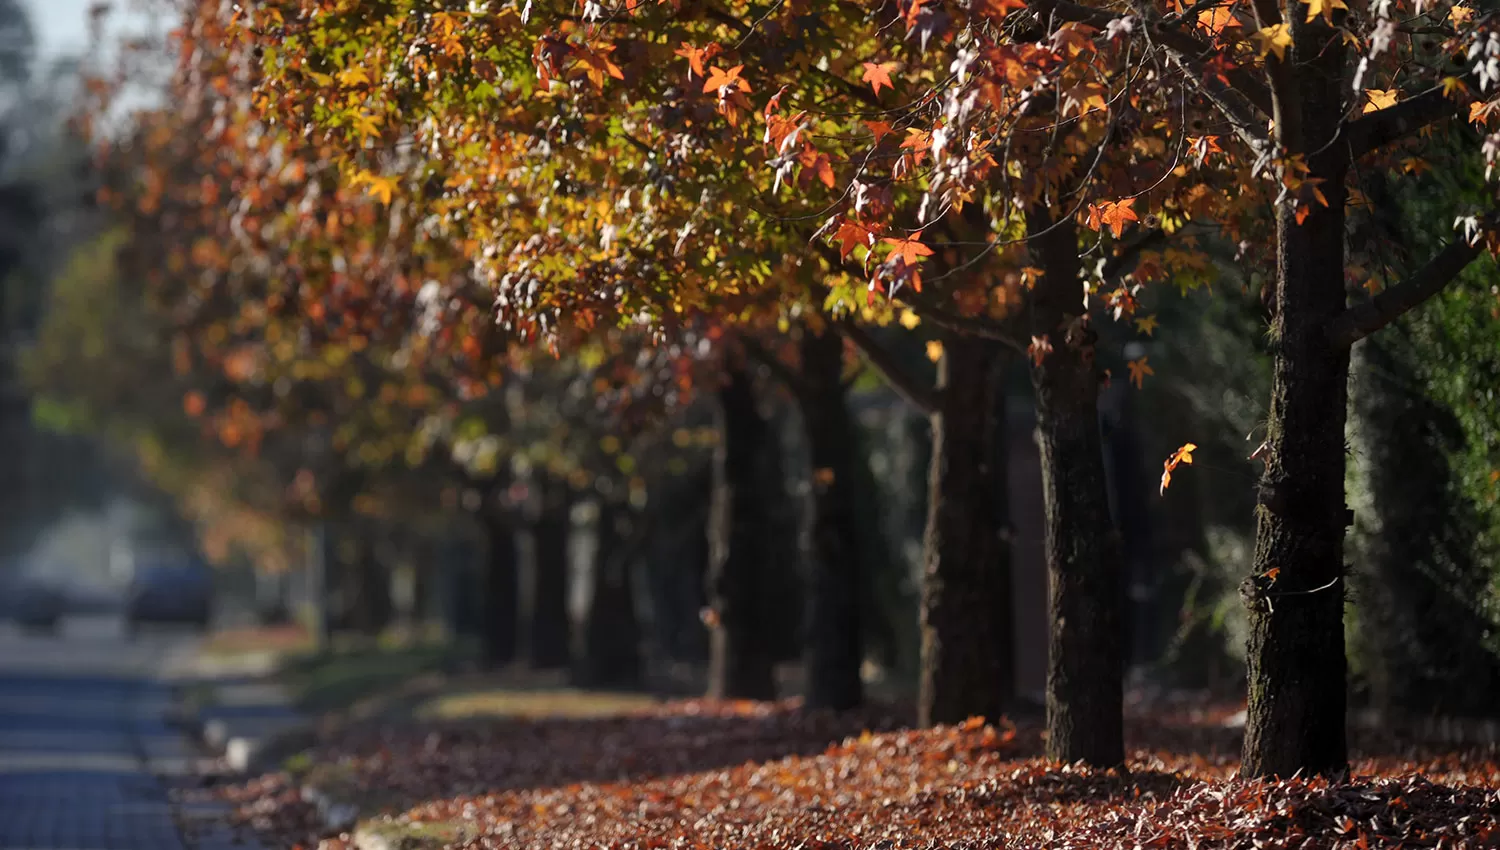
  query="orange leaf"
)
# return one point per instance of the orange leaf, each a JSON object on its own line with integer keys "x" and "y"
{"x": 1112, "y": 214}
{"x": 909, "y": 250}
{"x": 852, "y": 234}
{"x": 719, "y": 79}
{"x": 1139, "y": 369}
{"x": 1183, "y": 455}
{"x": 879, "y": 74}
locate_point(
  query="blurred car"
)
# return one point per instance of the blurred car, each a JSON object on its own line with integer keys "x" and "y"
{"x": 37, "y": 604}
{"x": 173, "y": 592}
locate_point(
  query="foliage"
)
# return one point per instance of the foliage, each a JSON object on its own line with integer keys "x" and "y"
{"x": 707, "y": 775}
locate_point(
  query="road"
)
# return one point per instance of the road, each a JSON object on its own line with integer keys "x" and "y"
{"x": 88, "y": 750}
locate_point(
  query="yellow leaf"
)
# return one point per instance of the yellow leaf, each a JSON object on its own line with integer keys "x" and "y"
{"x": 1274, "y": 39}
{"x": 1323, "y": 8}
{"x": 353, "y": 75}
{"x": 1378, "y": 99}
{"x": 934, "y": 350}
{"x": 380, "y": 187}
{"x": 1146, "y": 324}
{"x": 1461, "y": 14}
{"x": 909, "y": 319}
{"x": 367, "y": 125}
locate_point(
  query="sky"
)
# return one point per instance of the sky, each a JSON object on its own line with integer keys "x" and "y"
{"x": 60, "y": 25}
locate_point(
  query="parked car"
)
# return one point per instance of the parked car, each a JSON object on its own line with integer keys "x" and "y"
{"x": 37, "y": 604}
{"x": 178, "y": 592}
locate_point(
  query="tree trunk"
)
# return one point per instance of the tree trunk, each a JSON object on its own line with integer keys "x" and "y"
{"x": 1085, "y": 699}
{"x": 611, "y": 630}
{"x": 499, "y": 627}
{"x": 550, "y": 632}
{"x": 967, "y": 665}
{"x": 740, "y": 662}
{"x": 834, "y": 646}
{"x": 1297, "y": 669}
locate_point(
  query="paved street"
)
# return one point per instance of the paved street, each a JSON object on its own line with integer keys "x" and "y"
{"x": 87, "y": 752}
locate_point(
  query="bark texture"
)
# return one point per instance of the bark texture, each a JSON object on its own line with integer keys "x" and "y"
{"x": 1085, "y": 700}
{"x": 834, "y": 645}
{"x": 550, "y": 632}
{"x": 967, "y": 660}
{"x": 1297, "y": 667}
{"x": 741, "y": 661}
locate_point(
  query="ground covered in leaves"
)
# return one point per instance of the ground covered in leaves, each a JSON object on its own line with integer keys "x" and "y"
{"x": 701, "y": 775}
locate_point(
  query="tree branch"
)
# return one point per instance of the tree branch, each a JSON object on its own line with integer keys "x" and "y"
{"x": 875, "y": 355}
{"x": 1377, "y": 129}
{"x": 1365, "y": 318}
{"x": 1183, "y": 46}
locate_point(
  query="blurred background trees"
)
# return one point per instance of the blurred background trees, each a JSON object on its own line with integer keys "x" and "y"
{"x": 371, "y": 458}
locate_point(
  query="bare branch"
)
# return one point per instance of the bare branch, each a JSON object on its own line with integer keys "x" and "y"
{"x": 1365, "y": 318}
{"x": 1377, "y": 129}
{"x": 923, "y": 398}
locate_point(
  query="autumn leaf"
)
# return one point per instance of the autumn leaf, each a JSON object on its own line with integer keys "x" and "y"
{"x": 909, "y": 319}
{"x": 720, "y": 79}
{"x": 695, "y": 57}
{"x": 878, "y": 74}
{"x": 881, "y": 129}
{"x": 1214, "y": 21}
{"x": 1112, "y": 214}
{"x": 1039, "y": 349}
{"x": 934, "y": 350}
{"x": 852, "y": 234}
{"x": 367, "y": 125}
{"x": 380, "y": 187}
{"x": 1139, "y": 369}
{"x": 1146, "y": 324}
{"x": 1378, "y": 99}
{"x": 909, "y": 250}
{"x": 1274, "y": 39}
{"x": 1183, "y": 455}
{"x": 1325, "y": 8}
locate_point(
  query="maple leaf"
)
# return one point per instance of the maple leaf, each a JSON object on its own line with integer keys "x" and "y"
{"x": 1112, "y": 214}
{"x": 1325, "y": 8}
{"x": 910, "y": 250}
{"x": 695, "y": 57}
{"x": 934, "y": 350}
{"x": 1183, "y": 455}
{"x": 1139, "y": 369}
{"x": 1378, "y": 99}
{"x": 1274, "y": 39}
{"x": 1215, "y": 21}
{"x": 852, "y": 234}
{"x": 366, "y": 125}
{"x": 1146, "y": 324}
{"x": 878, "y": 74}
{"x": 720, "y": 79}
{"x": 1038, "y": 350}
{"x": 380, "y": 187}
{"x": 881, "y": 129}
{"x": 910, "y": 320}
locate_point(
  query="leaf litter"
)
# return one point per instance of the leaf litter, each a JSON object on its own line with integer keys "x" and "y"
{"x": 699, "y": 774}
